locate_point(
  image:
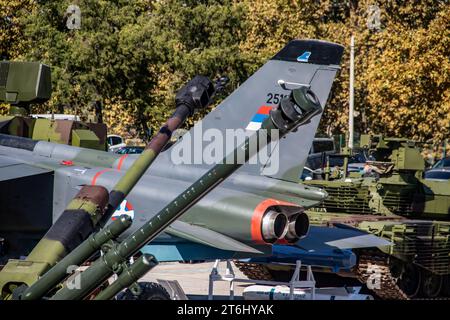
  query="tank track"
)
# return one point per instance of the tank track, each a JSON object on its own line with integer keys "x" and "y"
{"x": 253, "y": 271}
{"x": 389, "y": 290}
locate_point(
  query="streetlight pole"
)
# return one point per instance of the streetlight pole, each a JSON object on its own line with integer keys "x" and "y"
{"x": 351, "y": 100}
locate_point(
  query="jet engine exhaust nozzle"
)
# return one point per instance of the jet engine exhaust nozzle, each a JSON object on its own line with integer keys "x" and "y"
{"x": 274, "y": 226}
{"x": 298, "y": 227}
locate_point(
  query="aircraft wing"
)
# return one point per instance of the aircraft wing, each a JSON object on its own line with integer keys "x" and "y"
{"x": 318, "y": 239}
{"x": 324, "y": 238}
{"x": 13, "y": 169}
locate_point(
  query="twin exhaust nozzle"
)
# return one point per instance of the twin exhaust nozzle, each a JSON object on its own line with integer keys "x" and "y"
{"x": 277, "y": 225}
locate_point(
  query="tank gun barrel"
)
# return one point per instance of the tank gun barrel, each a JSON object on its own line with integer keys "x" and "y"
{"x": 301, "y": 105}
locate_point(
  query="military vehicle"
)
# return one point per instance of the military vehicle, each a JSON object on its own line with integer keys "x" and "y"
{"x": 392, "y": 199}
{"x": 25, "y": 83}
{"x": 255, "y": 207}
{"x": 320, "y": 147}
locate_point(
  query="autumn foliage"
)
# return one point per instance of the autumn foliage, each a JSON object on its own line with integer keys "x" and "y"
{"x": 129, "y": 57}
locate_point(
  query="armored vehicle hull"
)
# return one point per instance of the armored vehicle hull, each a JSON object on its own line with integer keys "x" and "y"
{"x": 396, "y": 203}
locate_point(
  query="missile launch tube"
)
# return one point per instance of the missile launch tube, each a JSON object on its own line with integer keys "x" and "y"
{"x": 292, "y": 112}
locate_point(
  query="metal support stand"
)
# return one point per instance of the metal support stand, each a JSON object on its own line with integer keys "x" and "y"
{"x": 309, "y": 283}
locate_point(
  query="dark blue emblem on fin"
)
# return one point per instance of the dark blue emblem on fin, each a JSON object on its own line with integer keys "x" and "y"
{"x": 304, "y": 57}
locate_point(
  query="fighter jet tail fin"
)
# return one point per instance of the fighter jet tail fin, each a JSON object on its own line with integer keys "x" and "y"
{"x": 310, "y": 63}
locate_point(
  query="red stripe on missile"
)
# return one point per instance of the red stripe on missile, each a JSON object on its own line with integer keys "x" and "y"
{"x": 258, "y": 214}
{"x": 121, "y": 159}
{"x": 98, "y": 174}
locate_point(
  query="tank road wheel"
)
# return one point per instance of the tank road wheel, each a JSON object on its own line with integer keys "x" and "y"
{"x": 431, "y": 284}
{"x": 409, "y": 280}
{"x": 396, "y": 267}
{"x": 149, "y": 291}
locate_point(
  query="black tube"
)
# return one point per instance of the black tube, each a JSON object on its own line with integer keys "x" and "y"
{"x": 17, "y": 142}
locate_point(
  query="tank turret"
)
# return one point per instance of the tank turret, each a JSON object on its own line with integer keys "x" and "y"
{"x": 23, "y": 84}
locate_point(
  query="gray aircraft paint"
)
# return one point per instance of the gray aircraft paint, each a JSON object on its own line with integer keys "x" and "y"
{"x": 236, "y": 111}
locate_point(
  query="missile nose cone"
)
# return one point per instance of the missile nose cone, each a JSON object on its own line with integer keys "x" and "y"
{"x": 323, "y": 194}
{"x": 315, "y": 193}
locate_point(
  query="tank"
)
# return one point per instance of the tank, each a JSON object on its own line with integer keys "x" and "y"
{"x": 391, "y": 198}
{"x": 25, "y": 83}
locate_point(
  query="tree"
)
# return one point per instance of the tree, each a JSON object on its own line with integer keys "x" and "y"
{"x": 129, "y": 57}
{"x": 401, "y": 70}
{"x": 101, "y": 62}
{"x": 408, "y": 80}
{"x": 12, "y": 41}
{"x": 11, "y": 29}
{"x": 189, "y": 38}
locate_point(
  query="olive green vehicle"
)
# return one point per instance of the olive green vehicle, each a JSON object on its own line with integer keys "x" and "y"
{"x": 25, "y": 83}
{"x": 391, "y": 199}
